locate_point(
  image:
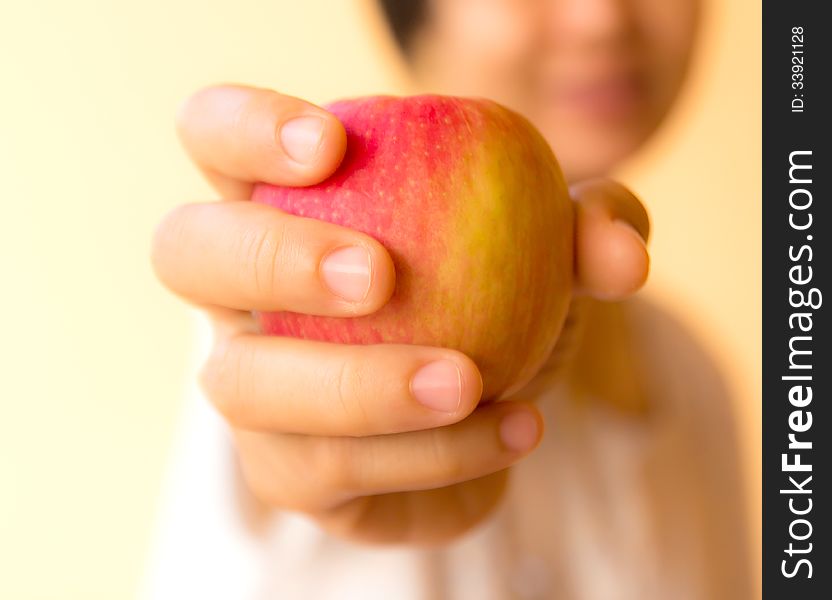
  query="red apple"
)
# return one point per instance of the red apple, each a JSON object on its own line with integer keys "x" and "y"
{"x": 470, "y": 202}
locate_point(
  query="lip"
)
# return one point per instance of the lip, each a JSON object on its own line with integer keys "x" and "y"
{"x": 608, "y": 97}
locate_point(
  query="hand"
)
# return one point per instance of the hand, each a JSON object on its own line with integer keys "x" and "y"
{"x": 380, "y": 443}
{"x": 611, "y": 263}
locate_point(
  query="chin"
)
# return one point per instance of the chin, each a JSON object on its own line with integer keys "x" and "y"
{"x": 593, "y": 150}
{"x": 593, "y": 157}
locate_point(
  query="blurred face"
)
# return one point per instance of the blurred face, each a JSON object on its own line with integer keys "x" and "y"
{"x": 595, "y": 76}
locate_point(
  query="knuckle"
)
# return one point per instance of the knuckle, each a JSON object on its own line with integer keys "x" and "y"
{"x": 265, "y": 485}
{"x": 349, "y": 381}
{"x": 242, "y": 123}
{"x": 449, "y": 462}
{"x": 261, "y": 487}
{"x": 331, "y": 467}
{"x": 267, "y": 473}
{"x": 206, "y": 103}
{"x": 269, "y": 256}
{"x": 185, "y": 111}
{"x": 167, "y": 237}
{"x": 319, "y": 476}
{"x": 225, "y": 377}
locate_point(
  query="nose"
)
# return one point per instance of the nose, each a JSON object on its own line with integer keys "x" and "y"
{"x": 589, "y": 20}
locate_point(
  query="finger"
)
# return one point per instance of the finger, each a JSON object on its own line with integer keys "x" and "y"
{"x": 612, "y": 226}
{"x": 299, "y": 386}
{"x": 239, "y": 135}
{"x": 315, "y": 473}
{"x": 248, "y": 256}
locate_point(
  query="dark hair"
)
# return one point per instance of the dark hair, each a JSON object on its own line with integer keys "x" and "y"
{"x": 404, "y": 18}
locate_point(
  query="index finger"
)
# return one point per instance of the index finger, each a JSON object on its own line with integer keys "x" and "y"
{"x": 240, "y": 135}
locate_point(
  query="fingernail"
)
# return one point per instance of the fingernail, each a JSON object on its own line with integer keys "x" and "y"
{"x": 301, "y": 138}
{"x": 438, "y": 385}
{"x": 346, "y": 272}
{"x": 519, "y": 431}
{"x": 628, "y": 225}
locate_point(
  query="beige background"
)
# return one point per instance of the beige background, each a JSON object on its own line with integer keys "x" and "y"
{"x": 95, "y": 355}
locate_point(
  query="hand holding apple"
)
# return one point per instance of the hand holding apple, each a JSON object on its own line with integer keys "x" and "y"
{"x": 330, "y": 429}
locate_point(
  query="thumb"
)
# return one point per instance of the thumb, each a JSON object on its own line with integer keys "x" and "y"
{"x": 611, "y": 229}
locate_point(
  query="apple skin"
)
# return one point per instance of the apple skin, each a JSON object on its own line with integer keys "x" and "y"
{"x": 470, "y": 202}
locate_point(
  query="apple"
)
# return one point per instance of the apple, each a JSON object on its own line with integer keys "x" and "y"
{"x": 469, "y": 200}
